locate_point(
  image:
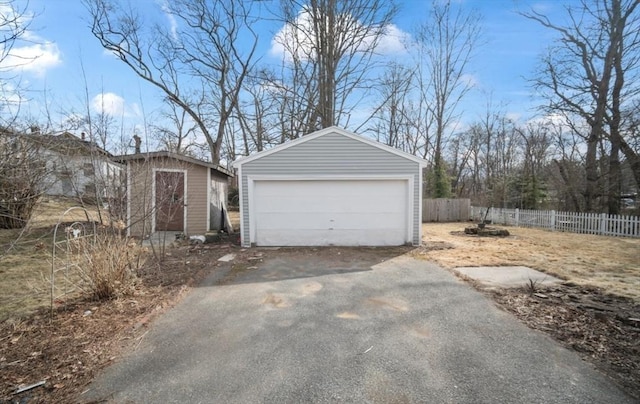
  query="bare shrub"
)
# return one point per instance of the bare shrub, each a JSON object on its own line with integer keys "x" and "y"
{"x": 108, "y": 266}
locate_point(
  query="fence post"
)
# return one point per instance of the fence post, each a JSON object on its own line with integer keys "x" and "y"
{"x": 553, "y": 220}
{"x": 603, "y": 223}
{"x": 517, "y": 217}
{"x": 491, "y": 218}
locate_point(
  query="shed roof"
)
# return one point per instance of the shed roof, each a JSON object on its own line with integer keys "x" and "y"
{"x": 166, "y": 154}
{"x": 326, "y": 131}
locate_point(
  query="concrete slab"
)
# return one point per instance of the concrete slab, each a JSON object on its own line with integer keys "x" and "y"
{"x": 227, "y": 258}
{"x": 160, "y": 238}
{"x": 507, "y": 277}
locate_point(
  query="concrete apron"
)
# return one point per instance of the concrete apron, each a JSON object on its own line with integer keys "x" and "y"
{"x": 507, "y": 277}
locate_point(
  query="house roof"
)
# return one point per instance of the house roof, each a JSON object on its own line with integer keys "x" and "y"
{"x": 326, "y": 131}
{"x": 66, "y": 143}
{"x": 166, "y": 154}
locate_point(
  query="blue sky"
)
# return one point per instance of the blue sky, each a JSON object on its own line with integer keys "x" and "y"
{"x": 62, "y": 39}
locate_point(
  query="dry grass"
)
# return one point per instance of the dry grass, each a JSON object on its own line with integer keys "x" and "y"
{"x": 23, "y": 270}
{"x": 49, "y": 211}
{"x": 106, "y": 266}
{"x": 610, "y": 263}
{"x": 25, "y": 258}
{"x": 234, "y": 218}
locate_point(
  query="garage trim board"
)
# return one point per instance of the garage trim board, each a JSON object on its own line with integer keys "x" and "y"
{"x": 308, "y": 210}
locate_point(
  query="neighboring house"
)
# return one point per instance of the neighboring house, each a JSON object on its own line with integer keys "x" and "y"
{"x": 331, "y": 187}
{"x": 77, "y": 167}
{"x": 172, "y": 192}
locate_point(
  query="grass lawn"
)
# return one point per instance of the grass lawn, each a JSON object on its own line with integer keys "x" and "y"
{"x": 25, "y": 258}
{"x": 610, "y": 263}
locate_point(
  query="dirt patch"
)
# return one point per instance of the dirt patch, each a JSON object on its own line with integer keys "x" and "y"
{"x": 595, "y": 312}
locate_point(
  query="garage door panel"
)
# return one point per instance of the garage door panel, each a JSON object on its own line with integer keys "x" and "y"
{"x": 330, "y": 212}
{"x": 338, "y": 203}
{"x": 319, "y": 221}
{"x": 352, "y": 238}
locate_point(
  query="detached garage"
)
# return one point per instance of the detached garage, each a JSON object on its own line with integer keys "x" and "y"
{"x": 331, "y": 187}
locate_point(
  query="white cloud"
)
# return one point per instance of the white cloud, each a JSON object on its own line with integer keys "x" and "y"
{"x": 393, "y": 41}
{"x": 294, "y": 38}
{"x": 173, "y": 23}
{"x": 513, "y": 116}
{"x": 470, "y": 80}
{"x": 36, "y": 58}
{"x": 29, "y": 53}
{"x": 110, "y": 104}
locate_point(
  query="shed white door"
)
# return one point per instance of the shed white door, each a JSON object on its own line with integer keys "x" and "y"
{"x": 330, "y": 212}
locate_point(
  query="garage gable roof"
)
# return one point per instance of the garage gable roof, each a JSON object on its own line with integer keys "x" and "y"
{"x": 323, "y": 132}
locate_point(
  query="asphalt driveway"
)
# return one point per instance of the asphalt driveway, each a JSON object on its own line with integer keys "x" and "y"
{"x": 402, "y": 331}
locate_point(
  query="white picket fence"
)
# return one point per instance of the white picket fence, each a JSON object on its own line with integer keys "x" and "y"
{"x": 585, "y": 223}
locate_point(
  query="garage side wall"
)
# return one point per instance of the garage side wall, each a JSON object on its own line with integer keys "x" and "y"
{"x": 332, "y": 155}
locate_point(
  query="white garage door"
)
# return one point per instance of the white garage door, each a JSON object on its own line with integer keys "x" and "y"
{"x": 330, "y": 212}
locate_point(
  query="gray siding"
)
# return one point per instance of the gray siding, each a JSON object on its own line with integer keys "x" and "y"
{"x": 332, "y": 154}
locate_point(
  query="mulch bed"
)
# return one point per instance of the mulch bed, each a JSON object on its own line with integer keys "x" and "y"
{"x": 603, "y": 329}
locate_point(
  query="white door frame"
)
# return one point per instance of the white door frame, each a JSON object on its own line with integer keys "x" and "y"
{"x": 253, "y": 178}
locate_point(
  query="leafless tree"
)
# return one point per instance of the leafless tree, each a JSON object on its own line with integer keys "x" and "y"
{"x": 178, "y": 132}
{"x": 14, "y": 23}
{"x": 589, "y": 75}
{"x": 328, "y": 49}
{"x": 447, "y": 41}
{"x": 261, "y": 117}
{"x": 197, "y": 63}
{"x": 391, "y": 124}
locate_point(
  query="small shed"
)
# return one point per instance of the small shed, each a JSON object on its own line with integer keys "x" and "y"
{"x": 171, "y": 192}
{"x": 331, "y": 187}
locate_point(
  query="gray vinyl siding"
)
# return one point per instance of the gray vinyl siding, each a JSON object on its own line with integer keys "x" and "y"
{"x": 332, "y": 154}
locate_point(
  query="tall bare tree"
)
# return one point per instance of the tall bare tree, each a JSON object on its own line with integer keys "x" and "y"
{"x": 197, "y": 62}
{"x": 447, "y": 41}
{"x": 391, "y": 116}
{"x": 14, "y": 23}
{"x": 328, "y": 48}
{"x": 178, "y": 133}
{"x": 589, "y": 75}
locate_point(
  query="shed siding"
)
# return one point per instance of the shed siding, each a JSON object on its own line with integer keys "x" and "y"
{"x": 197, "y": 188}
{"x": 141, "y": 194}
{"x": 332, "y": 154}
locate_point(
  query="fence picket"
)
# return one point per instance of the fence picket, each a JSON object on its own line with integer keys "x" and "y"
{"x": 574, "y": 222}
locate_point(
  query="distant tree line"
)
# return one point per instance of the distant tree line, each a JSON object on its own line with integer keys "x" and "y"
{"x": 223, "y": 101}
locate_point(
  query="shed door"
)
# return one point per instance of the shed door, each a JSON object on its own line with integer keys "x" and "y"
{"x": 169, "y": 201}
{"x": 330, "y": 212}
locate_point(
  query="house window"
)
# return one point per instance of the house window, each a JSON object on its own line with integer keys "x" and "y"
{"x": 90, "y": 189}
{"x": 88, "y": 169}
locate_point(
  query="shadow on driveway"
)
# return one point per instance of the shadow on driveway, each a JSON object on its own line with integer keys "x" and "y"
{"x": 276, "y": 264}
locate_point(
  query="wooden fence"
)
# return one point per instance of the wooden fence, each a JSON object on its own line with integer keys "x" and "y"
{"x": 585, "y": 223}
{"x": 445, "y": 210}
